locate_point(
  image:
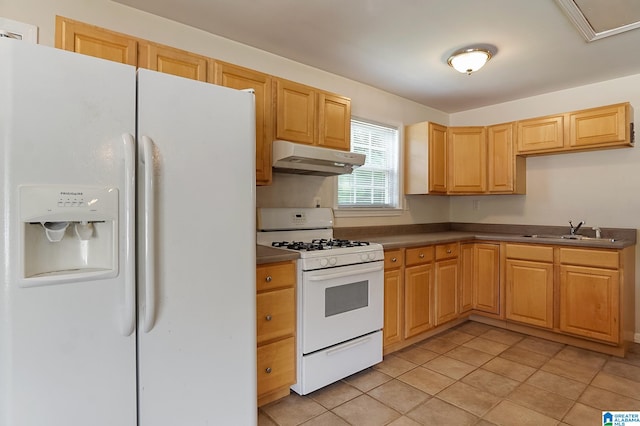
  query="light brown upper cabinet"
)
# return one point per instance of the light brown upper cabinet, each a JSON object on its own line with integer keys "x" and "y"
{"x": 95, "y": 41}
{"x": 102, "y": 43}
{"x": 462, "y": 160}
{"x": 543, "y": 134}
{"x": 596, "y": 128}
{"x": 310, "y": 116}
{"x": 506, "y": 172}
{"x": 604, "y": 126}
{"x": 174, "y": 61}
{"x": 236, "y": 77}
{"x": 467, "y": 148}
{"x": 425, "y": 165}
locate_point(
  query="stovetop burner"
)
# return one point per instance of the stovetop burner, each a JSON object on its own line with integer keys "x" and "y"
{"x": 319, "y": 244}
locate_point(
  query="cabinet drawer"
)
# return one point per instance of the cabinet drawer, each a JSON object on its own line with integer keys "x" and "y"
{"x": 276, "y": 365}
{"x": 447, "y": 251}
{"x": 596, "y": 258}
{"x": 275, "y": 275}
{"x": 393, "y": 259}
{"x": 275, "y": 314}
{"x": 530, "y": 252}
{"x": 418, "y": 255}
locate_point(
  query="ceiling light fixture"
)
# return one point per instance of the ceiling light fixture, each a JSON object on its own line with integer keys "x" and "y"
{"x": 469, "y": 60}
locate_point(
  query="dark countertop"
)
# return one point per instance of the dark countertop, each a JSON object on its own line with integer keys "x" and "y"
{"x": 265, "y": 254}
{"x": 413, "y": 240}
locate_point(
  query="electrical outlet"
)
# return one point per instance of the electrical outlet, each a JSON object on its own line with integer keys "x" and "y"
{"x": 316, "y": 202}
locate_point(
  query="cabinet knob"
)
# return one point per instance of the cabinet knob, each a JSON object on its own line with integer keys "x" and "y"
{"x": 267, "y": 370}
{"x": 421, "y": 255}
{"x": 268, "y": 317}
{"x": 449, "y": 251}
{"x": 268, "y": 279}
{"x": 393, "y": 259}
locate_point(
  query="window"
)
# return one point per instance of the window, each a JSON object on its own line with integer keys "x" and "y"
{"x": 375, "y": 185}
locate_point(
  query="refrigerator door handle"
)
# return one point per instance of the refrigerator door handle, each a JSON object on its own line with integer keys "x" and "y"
{"x": 129, "y": 315}
{"x": 149, "y": 307}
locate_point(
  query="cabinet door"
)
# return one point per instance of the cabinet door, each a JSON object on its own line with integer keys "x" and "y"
{"x": 334, "y": 121}
{"x": 446, "y": 291}
{"x": 541, "y": 134}
{"x": 506, "y": 173}
{"x": 393, "y": 301}
{"x": 95, "y": 41}
{"x": 590, "y": 302}
{"x": 174, "y": 61}
{"x": 486, "y": 290}
{"x": 467, "y": 160}
{"x": 438, "y": 158}
{"x": 599, "y": 126}
{"x": 467, "y": 263}
{"x": 529, "y": 292}
{"x": 236, "y": 77}
{"x": 295, "y": 112}
{"x": 418, "y": 294}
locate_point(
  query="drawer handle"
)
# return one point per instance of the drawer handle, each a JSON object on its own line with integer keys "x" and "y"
{"x": 393, "y": 259}
{"x": 268, "y": 279}
{"x": 421, "y": 255}
{"x": 449, "y": 251}
{"x": 268, "y": 370}
{"x": 268, "y": 317}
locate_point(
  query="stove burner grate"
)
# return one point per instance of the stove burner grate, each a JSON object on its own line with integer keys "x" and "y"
{"x": 319, "y": 244}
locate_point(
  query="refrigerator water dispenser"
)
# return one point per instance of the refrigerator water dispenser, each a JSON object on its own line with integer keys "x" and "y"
{"x": 69, "y": 233}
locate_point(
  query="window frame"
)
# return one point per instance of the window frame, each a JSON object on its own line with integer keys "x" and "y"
{"x": 358, "y": 211}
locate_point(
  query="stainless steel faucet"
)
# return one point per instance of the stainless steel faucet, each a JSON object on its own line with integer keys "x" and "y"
{"x": 574, "y": 230}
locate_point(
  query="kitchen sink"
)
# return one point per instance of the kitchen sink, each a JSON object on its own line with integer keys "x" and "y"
{"x": 569, "y": 237}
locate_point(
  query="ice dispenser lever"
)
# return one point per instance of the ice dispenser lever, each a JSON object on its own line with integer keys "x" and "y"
{"x": 55, "y": 230}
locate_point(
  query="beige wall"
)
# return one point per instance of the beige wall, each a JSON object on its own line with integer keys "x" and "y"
{"x": 600, "y": 187}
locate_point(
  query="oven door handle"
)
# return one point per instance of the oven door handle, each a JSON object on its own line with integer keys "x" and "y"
{"x": 325, "y": 277}
{"x": 348, "y": 346}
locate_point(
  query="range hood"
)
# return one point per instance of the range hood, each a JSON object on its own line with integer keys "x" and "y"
{"x": 289, "y": 157}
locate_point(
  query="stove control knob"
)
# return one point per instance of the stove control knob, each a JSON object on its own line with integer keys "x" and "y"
{"x": 333, "y": 261}
{"x": 323, "y": 262}
{"x": 363, "y": 257}
{"x": 372, "y": 256}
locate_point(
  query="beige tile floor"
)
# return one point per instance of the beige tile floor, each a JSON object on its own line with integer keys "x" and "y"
{"x": 474, "y": 374}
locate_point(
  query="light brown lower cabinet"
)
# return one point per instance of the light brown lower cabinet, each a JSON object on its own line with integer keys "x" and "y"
{"x": 580, "y": 296}
{"x": 276, "y": 330}
{"x": 445, "y": 301}
{"x": 418, "y": 294}
{"x": 480, "y": 278}
{"x": 529, "y": 285}
{"x": 393, "y": 297}
{"x": 421, "y": 292}
{"x": 590, "y": 293}
{"x": 418, "y": 290}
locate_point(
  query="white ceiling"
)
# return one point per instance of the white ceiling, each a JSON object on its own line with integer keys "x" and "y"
{"x": 402, "y": 46}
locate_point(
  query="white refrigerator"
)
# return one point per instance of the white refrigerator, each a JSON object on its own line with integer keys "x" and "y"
{"x": 127, "y": 256}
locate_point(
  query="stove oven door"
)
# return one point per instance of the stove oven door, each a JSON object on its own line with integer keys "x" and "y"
{"x": 339, "y": 304}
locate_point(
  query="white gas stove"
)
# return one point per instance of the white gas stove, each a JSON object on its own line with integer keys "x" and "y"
{"x": 340, "y": 294}
{"x": 309, "y": 231}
